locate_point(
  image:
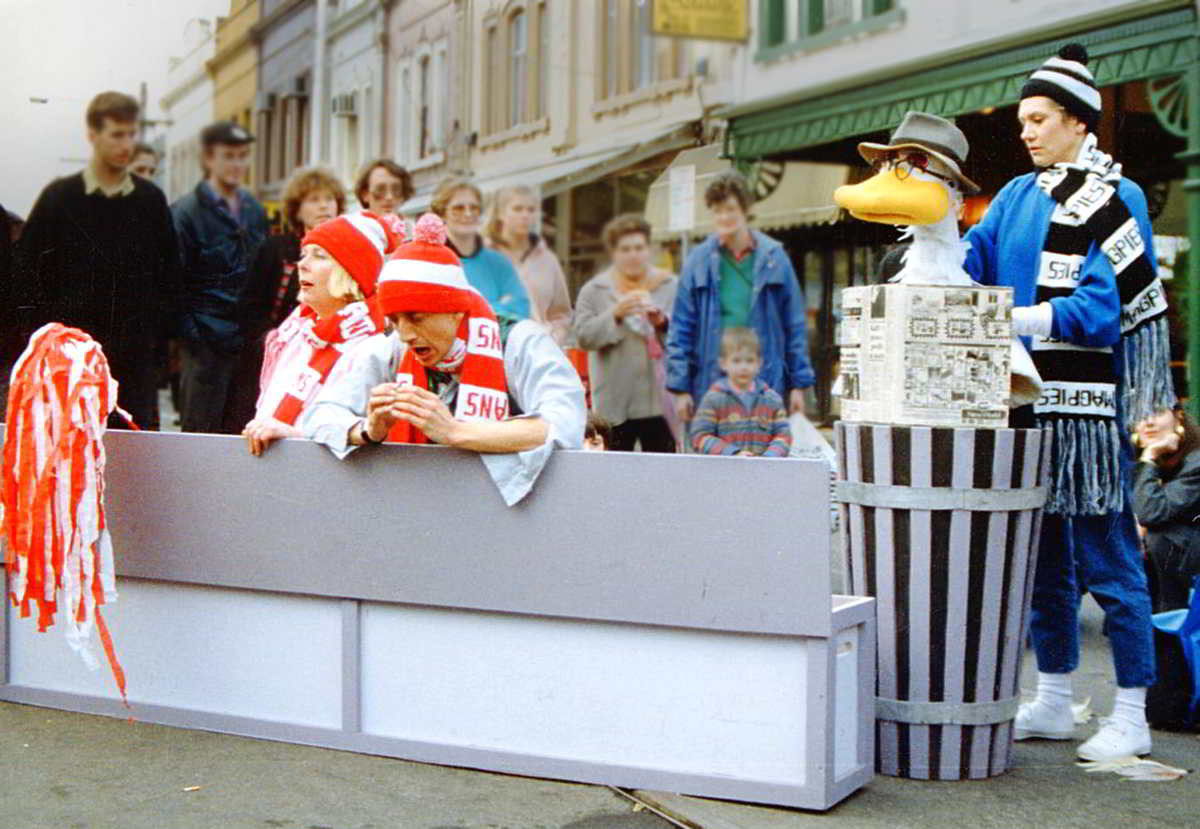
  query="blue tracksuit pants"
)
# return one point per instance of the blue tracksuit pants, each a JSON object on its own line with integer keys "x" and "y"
{"x": 1101, "y": 555}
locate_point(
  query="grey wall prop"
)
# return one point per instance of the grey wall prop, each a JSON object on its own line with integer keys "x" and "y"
{"x": 941, "y": 526}
{"x": 660, "y": 622}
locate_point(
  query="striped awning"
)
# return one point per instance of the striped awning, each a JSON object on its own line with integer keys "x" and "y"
{"x": 798, "y": 193}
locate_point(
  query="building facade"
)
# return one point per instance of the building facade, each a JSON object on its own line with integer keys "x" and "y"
{"x": 286, "y": 38}
{"x": 188, "y": 107}
{"x": 423, "y": 123}
{"x": 234, "y": 67}
{"x": 576, "y": 99}
{"x": 356, "y": 39}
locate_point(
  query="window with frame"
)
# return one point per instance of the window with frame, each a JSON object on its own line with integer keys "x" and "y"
{"x": 516, "y": 60}
{"x": 784, "y": 23}
{"x": 403, "y": 120}
{"x": 632, "y": 57}
{"x": 518, "y": 78}
{"x": 424, "y": 91}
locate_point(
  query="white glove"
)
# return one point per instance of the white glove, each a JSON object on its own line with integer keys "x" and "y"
{"x": 1033, "y": 320}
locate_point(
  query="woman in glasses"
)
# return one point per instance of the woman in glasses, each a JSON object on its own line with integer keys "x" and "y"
{"x": 459, "y": 204}
{"x": 383, "y": 186}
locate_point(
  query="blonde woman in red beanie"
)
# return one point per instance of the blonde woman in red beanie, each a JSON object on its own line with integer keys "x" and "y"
{"x": 449, "y": 373}
{"x": 339, "y": 266}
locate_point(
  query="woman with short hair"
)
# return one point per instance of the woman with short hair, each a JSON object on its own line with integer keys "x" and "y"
{"x": 383, "y": 187}
{"x": 621, "y": 319}
{"x": 459, "y": 203}
{"x": 510, "y": 230}
{"x": 337, "y": 274}
{"x": 449, "y": 372}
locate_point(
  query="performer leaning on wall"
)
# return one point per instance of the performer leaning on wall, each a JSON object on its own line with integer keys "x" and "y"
{"x": 1073, "y": 239}
{"x": 449, "y": 373}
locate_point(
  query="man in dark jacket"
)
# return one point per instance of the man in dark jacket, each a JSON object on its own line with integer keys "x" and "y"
{"x": 98, "y": 253}
{"x": 220, "y": 227}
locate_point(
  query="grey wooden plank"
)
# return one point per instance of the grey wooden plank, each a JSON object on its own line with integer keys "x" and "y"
{"x": 410, "y": 524}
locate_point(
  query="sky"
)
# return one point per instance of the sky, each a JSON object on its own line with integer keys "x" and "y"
{"x": 66, "y": 51}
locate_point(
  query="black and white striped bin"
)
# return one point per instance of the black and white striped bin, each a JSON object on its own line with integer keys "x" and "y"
{"x": 940, "y": 525}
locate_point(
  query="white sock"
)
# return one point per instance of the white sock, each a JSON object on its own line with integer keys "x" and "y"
{"x": 1054, "y": 690}
{"x": 1130, "y": 705}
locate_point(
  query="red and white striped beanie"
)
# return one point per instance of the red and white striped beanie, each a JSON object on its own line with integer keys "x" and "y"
{"x": 359, "y": 242}
{"x": 426, "y": 276}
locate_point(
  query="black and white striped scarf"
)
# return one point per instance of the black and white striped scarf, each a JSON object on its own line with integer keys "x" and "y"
{"x": 1080, "y": 385}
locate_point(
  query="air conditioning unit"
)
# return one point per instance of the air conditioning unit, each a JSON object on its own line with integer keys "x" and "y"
{"x": 264, "y": 101}
{"x": 343, "y": 105}
{"x": 300, "y": 86}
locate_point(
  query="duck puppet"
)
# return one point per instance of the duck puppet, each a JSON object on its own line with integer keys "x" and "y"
{"x": 919, "y": 185}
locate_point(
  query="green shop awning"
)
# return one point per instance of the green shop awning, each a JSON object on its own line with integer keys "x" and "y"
{"x": 1159, "y": 45}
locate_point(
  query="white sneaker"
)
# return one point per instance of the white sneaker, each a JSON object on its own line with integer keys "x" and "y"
{"x": 1116, "y": 738}
{"x": 1047, "y": 722}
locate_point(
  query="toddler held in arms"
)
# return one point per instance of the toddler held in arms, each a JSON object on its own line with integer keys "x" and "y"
{"x": 740, "y": 414}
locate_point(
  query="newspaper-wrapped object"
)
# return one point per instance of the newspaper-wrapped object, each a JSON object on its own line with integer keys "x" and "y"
{"x": 926, "y": 355}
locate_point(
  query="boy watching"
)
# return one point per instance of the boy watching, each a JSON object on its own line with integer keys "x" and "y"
{"x": 597, "y": 434}
{"x": 740, "y": 414}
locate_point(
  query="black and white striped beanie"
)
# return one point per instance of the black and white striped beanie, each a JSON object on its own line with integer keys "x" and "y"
{"x": 1066, "y": 79}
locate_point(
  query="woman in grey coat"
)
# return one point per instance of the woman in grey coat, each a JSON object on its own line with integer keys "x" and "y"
{"x": 621, "y": 320}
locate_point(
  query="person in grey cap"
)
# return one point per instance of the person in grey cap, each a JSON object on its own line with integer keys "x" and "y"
{"x": 1073, "y": 239}
{"x": 220, "y": 227}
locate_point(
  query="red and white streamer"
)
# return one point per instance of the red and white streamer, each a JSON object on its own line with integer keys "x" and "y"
{"x": 57, "y": 544}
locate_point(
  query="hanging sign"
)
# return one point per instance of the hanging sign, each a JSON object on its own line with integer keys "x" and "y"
{"x": 701, "y": 19}
{"x": 681, "y": 198}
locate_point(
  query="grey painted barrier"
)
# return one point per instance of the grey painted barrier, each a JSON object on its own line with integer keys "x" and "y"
{"x": 940, "y": 526}
{"x": 660, "y": 622}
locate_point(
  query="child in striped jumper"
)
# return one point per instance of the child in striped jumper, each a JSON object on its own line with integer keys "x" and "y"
{"x": 740, "y": 414}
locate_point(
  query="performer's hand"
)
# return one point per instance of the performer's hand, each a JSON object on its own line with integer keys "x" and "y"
{"x": 425, "y": 410}
{"x": 684, "y": 407}
{"x": 261, "y": 433}
{"x": 380, "y": 417}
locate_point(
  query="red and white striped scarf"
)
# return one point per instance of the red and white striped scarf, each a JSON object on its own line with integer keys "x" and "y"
{"x": 477, "y": 357}
{"x": 425, "y": 276}
{"x": 300, "y": 354}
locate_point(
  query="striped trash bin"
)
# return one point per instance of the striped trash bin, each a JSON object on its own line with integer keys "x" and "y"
{"x": 940, "y": 527}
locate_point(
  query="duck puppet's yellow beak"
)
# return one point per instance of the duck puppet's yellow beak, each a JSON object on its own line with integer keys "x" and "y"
{"x": 888, "y": 199}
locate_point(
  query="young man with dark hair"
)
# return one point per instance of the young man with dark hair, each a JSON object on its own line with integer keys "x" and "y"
{"x": 1073, "y": 239}
{"x": 98, "y": 253}
{"x": 737, "y": 277}
{"x": 220, "y": 227}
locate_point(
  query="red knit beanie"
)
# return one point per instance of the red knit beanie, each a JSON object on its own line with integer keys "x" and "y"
{"x": 359, "y": 242}
{"x": 425, "y": 275}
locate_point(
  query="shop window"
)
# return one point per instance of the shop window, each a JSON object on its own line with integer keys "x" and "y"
{"x": 788, "y": 24}
{"x": 631, "y": 56}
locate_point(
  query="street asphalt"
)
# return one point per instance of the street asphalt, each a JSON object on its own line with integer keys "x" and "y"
{"x": 75, "y": 771}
